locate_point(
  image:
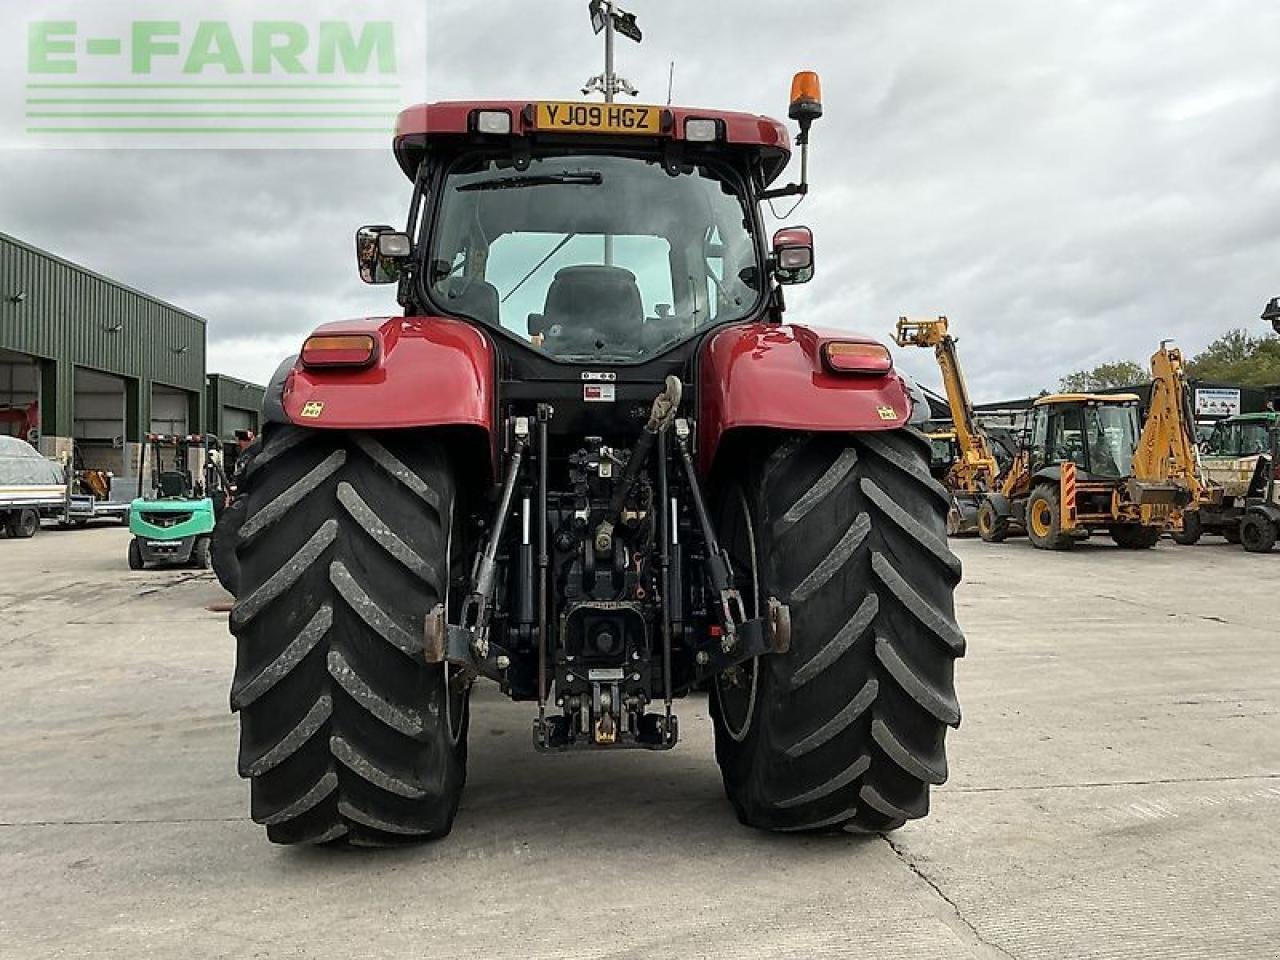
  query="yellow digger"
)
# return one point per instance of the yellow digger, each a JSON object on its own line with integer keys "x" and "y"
{"x": 1087, "y": 464}
{"x": 1085, "y": 467}
{"x": 974, "y": 471}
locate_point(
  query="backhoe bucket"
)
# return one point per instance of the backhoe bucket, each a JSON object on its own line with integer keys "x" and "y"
{"x": 962, "y": 518}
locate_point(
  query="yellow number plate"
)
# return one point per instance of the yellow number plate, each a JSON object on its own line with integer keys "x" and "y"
{"x": 599, "y": 118}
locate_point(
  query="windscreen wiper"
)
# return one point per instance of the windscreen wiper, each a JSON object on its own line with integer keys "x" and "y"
{"x": 585, "y": 178}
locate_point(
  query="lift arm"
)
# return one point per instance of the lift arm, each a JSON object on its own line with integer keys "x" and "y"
{"x": 977, "y": 469}
{"x": 1167, "y": 451}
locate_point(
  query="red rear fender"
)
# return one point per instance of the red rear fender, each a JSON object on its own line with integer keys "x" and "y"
{"x": 766, "y": 375}
{"x": 426, "y": 372}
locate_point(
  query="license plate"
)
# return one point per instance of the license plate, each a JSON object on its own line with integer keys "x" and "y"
{"x": 599, "y": 118}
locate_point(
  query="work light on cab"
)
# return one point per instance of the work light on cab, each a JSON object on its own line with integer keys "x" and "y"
{"x": 339, "y": 350}
{"x": 851, "y": 356}
{"x": 701, "y": 130}
{"x": 494, "y": 122}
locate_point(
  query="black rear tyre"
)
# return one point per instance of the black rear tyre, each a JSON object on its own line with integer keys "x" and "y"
{"x": 226, "y": 532}
{"x": 222, "y": 551}
{"x": 1192, "y": 530}
{"x": 1258, "y": 533}
{"x": 23, "y": 524}
{"x": 200, "y": 553}
{"x": 992, "y": 527}
{"x": 136, "y": 561}
{"x": 346, "y": 733}
{"x": 847, "y": 729}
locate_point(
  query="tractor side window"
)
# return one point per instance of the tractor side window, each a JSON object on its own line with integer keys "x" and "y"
{"x": 714, "y": 259}
{"x": 730, "y": 273}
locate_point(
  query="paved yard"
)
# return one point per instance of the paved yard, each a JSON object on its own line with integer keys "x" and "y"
{"x": 1115, "y": 792}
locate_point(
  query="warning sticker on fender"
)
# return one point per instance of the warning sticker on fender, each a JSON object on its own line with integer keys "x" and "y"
{"x": 598, "y": 392}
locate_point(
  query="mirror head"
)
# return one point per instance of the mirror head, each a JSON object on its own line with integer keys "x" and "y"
{"x": 380, "y": 253}
{"x": 793, "y": 260}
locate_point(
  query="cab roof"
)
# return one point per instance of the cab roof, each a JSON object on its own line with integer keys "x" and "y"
{"x": 1087, "y": 398}
{"x": 765, "y": 136}
{"x": 1264, "y": 417}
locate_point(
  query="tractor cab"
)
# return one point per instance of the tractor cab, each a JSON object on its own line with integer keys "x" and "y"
{"x": 587, "y": 234}
{"x": 1098, "y": 433}
{"x": 181, "y": 490}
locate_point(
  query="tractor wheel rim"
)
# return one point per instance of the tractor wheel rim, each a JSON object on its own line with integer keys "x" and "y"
{"x": 729, "y": 693}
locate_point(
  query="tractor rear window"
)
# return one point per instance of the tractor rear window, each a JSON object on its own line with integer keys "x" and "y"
{"x": 593, "y": 258}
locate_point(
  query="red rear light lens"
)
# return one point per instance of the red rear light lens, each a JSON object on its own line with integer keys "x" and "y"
{"x": 843, "y": 356}
{"x": 338, "y": 350}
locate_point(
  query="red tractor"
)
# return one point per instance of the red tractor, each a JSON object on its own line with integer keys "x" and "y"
{"x": 592, "y": 463}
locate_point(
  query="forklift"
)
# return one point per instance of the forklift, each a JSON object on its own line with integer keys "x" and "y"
{"x": 1260, "y": 525}
{"x": 1232, "y": 475}
{"x": 173, "y": 517}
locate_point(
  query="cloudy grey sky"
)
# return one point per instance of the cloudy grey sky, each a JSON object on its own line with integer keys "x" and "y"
{"x": 1070, "y": 180}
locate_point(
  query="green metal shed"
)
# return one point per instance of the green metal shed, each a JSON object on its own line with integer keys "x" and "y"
{"x": 105, "y": 363}
{"x": 233, "y": 405}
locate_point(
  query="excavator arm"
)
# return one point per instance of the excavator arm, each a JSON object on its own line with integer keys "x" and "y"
{"x": 977, "y": 469}
{"x": 1167, "y": 454}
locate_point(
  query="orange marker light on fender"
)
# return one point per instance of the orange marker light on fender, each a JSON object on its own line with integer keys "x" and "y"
{"x": 339, "y": 350}
{"x": 846, "y": 356}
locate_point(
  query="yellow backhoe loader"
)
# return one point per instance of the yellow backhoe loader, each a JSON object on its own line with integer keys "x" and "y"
{"x": 1085, "y": 467}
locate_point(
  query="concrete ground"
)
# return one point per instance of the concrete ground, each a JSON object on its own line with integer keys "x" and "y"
{"x": 1115, "y": 792}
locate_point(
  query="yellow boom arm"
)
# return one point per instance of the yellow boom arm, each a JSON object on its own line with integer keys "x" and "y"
{"x": 1167, "y": 450}
{"x": 977, "y": 469}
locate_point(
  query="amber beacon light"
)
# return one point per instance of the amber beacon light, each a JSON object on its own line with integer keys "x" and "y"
{"x": 806, "y": 97}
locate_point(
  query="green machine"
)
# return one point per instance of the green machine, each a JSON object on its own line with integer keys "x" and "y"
{"x": 1236, "y": 461}
{"x": 173, "y": 517}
